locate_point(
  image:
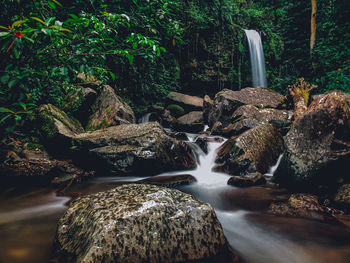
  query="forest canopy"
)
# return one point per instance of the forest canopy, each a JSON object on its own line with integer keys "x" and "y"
{"x": 144, "y": 49}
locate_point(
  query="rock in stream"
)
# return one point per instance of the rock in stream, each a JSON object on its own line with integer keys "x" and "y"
{"x": 139, "y": 223}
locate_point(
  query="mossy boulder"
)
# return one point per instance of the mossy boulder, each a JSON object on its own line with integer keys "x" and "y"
{"x": 109, "y": 110}
{"x": 57, "y": 127}
{"x": 142, "y": 149}
{"x": 317, "y": 147}
{"x": 139, "y": 223}
{"x": 253, "y": 151}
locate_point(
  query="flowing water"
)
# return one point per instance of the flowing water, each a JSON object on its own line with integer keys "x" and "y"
{"x": 28, "y": 220}
{"x": 257, "y": 59}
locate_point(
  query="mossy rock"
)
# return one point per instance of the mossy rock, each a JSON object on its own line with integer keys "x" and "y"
{"x": 176, "y": 110}
{"x": 56, "y": 126}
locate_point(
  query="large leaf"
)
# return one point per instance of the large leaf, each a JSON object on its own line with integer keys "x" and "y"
{"x": 2, "y": 109}
{"x": 18, "y": 23}
{"x": 39, "y": 20}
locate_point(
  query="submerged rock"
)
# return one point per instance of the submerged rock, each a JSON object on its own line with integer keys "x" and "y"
{"x": 227, "y": 102}
{"x": 109, "y": 110}
{"x": 247, "y": 180}
{"x": 317, "y": 147}
{"x": 300, "y": 205}
{"x": 169, "y": 180}
{"x": 138, "y": 223}
{"x": 187, "y": 102}
{"x": 142, "y": 149}
{"x": 191, "y": 122}
{"x": 253, "y": 151}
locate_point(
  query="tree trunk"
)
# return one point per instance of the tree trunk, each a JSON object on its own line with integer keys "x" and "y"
{"x": 313, "y": 32}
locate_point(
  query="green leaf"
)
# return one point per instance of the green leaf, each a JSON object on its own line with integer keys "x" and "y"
{"x": 57, "y": 3}
{"x": 39, "y": 20}
{"x": 12, "y": 83}
{"x": 51, "y": 4}
{"x": 4, "y": 34}
{"x": 130, "y": 58}
{"x": 2, "y": 109}
{"x": 4, "y": 79}
{"x": 112, "y": 75}
{"x": 5, "y": 118}
{"x": 18, "y": 23}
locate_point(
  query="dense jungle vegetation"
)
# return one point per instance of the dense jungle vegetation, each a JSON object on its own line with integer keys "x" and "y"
{"x": 146, "y": 48}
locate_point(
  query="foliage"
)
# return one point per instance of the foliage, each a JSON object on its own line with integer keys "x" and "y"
{"x": 144, "y": 49}
{"x": 292, "y": 20}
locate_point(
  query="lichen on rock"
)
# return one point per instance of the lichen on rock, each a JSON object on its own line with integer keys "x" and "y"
{"x": 138, "y": 223}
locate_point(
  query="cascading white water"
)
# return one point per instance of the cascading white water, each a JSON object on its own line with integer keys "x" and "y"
{"x": 257, "y": 59}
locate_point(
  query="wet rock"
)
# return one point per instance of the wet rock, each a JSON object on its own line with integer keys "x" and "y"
{"x": 143, "y": 149}
{"x": 207, "y": 106}
{"x": 167, "y": 119}
{"x": 37, "y": 166}
{"x": 317, "y": 147}
{"x": 191, "y": 122}
{"x": 239, "y": 127}
{"x": 263, "y": 116}
{"x": 57, "y": 127}
{"x": 213, "y": 139}
{"x": 202, "y": 142}
{"x": 216, "y": 129}
{"x": 176, "y": 110}
{"x": 342, "y": 195}
{"x": 187, "y": 102}
{"x": 108, "y": 110}
{"x": 300, "y": 205}
{"x": 227, "y": 102}
{"x": 253, "y": 151}
{"x": 169, "y": 180}
{"x": 247, "y": 180}
{"x": 138, "y": 223}
{"x": 179, "y": 136}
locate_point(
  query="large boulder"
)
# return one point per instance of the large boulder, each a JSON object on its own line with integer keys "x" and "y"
{"x": 109, "y": 110}
{"x": 187, "y": 102}
{"x": 143, "y": 149}
{"x": 262, "y": 115}
{"x": 191, "y": 122}
{"x": 253, "y": 151}
{"x": 138, "y": 223}
{"x": 57, "y": 127}
{"x": 249, "y": 116}
{"x": 227, "y": 101}
{"x": 317, "y": 148}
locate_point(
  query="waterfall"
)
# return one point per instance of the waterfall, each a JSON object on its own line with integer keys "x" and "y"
{"x": 257, "y": 59}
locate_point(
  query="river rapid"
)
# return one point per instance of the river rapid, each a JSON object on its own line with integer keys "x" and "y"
{"x": 28, "y": 219}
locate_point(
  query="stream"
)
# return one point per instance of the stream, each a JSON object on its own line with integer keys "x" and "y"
{"x": 28, "y": 219}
